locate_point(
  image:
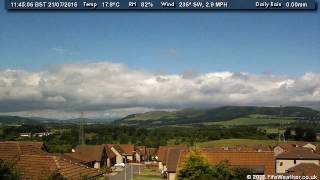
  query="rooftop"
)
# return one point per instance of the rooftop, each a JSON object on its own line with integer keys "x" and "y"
{"x": 299, "y": 153}
{"x": 305, "y": 169}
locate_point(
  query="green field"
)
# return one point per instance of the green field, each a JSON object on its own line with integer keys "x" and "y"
{"x": 236, "y": 142}
{"x": 253, "y": 120}
{"x": 148, "y": 174}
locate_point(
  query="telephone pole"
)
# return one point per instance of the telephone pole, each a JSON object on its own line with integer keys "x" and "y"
{"x": 81, "y": 129}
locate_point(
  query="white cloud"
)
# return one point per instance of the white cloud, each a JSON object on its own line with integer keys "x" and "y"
{"x": 110, "y": 87}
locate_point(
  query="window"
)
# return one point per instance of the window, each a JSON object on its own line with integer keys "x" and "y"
{"x": 295, "y": 162}
{"x": 281, "y": 163}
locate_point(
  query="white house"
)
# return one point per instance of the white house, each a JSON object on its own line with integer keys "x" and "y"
{"x": 283, "y": 147}
{"x": 118, "y": 151}
{"x": 295, "y": 156}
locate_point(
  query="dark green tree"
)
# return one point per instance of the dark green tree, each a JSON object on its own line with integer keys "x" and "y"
{"x": 311, "y": 135}
{"x": 8, "y": 171}
{"x": 299, "y": 133}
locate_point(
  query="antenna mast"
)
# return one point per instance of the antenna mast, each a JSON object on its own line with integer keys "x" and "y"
{"x": 81, "y": 129}
{"x": 281, "y": 127}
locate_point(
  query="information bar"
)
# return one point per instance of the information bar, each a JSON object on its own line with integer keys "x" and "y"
{"x": 161, "y": 5}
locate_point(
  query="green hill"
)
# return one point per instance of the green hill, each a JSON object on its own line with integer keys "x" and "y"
{"x": 219, "y": 114}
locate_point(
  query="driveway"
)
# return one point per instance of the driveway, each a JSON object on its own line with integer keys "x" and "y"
{"x": 128, "y": 174}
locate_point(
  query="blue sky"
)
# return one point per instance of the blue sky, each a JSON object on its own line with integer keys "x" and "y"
{"x": 173, "y": 42}
{"x": 111, "y": 64}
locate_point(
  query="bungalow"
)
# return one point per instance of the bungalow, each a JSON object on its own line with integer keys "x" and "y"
{"x": 141, "y": 153}
{"x": 43, "y": 166}
{"x": 173, "y": 159}
{"x": 10, "y": 150}
{"x": 151, "y": 154}
{"x": 261, "y": 162}
{"x": 92, "y": 156}
{"x": 283, "y": 147}
{"x": 34, "y": 162}
{"x": 128, "y": 152}
{"x": 295, "y": 156}
{"x": 112, "y": 157}
{"x": 41, "y": 134}
{"x": 304, "y": 169}
{"x": 118, "y": 151}
{"x": 161, "y": 157}
{"x": 25, "y": 135}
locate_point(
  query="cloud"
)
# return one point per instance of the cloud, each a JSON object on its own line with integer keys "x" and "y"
{"x": 110, "y": 87}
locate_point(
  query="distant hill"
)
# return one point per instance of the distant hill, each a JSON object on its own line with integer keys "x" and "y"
{"x": 4, "y": 119}
{"x": 225, "y": 113}
{"x": 17, "y": 120}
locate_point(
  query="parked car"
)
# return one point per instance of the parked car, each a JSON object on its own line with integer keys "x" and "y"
{"x": 120, "y": 165}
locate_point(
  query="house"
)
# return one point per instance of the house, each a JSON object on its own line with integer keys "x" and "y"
{"x": 295, "y": 156}
{"x": 92, "y": 156}
{"x": 304, "y": 169}
{"x": 11, "y": 150}
{"x": 141, "y": 153}
{"x": 118, "y": 151}
{"x": 41, "y": 134}
{"x": 34, "y": 162}
{"x": 43, "y": 166}
{"x": 283, "y": 147}
{"x": 25, "y": 135}
{"x": 151, "y": 154}
{"x": 111, "y": 156}
{"x": 174, "y": 157}
{"x": 261, "y": 162}
{"x": 128, "y": 152}
{"x": 161, "y": 157}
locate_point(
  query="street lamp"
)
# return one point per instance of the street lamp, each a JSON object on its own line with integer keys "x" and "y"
{"x": 125, "y": 170}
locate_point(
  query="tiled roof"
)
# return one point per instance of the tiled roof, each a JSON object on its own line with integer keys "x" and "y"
{"x": 10, "y": 150}
{"x": 152, "y": 151}
{"x": 263, "y": 159}
{"x": 41, "y": 166}
{"x": 292, "y": 144}
{"x": 305, "y": 169}
{"x": 299, "y": 153}
{"x": 174, "y": 156}
{"x": 127, "y": 148}
{"x": 142, "y": 150}
{"x": 162, "y": 152}
{"x": 86, "y": 153}
{"x": 109, "y": 152}
{"x": 116, "y": 147}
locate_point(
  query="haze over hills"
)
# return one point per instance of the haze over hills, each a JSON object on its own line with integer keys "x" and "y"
{"x": 187, "y": 116}
{"x": 4, "y": 119}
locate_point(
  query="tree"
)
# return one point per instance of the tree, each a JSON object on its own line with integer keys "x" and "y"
{"x": 221, "y": 171}
{"x": 299, "y": 133}
{"x": 8, "y": 171}
{"x": 196, "y": 167}
{"x": 287, "y": 133}
{"x": 311, "y": 135}
{"x": 242, "y": 173}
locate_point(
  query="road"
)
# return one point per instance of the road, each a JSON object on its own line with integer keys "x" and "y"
{"x": 130, "y": 170}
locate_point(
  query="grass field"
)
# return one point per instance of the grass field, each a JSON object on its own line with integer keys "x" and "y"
{"x": 251, "y": 120}
{"x": 236, "y": 142}
{"x": 148, "y": 174}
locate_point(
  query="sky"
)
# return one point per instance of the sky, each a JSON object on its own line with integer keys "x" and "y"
{"x": 110, "y": 64}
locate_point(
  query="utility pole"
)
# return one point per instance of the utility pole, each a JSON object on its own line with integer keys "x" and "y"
{"x": 125, "y": 169}
{"x": 81, "y": 129}
{"x": 281, "y": 130}
{"x": 131, "y": 172}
